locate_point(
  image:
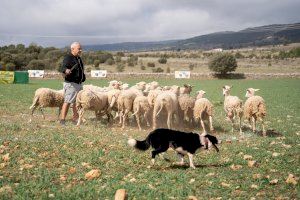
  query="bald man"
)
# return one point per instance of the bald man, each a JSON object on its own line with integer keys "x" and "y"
{"x": 73, "y": 70}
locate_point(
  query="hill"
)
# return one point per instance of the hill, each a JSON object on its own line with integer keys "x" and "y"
{"x": 255, "y": 36}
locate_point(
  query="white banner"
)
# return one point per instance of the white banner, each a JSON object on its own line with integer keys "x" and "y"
{"x": 98, "y": 73}
{"x": 182, "y": 74}
{"x": 36, "y": 73}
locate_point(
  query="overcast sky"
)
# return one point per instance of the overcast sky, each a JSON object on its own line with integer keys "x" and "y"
{"x": 59, "y": 22}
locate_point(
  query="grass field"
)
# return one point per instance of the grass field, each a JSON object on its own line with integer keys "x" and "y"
{"x": 42, "y": 160}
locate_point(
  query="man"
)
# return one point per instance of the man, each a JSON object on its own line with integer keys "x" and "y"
{"x": 73, "y": 70}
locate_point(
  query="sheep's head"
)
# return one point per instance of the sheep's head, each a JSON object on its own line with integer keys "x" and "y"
{"x": 141, "y": 85}
{"x": 187, "y": 88}
{"x": 200, "y": 94}
{"x": 250, "y": 92}
{"x": 124, "y": 86}
{"x": 226, "y": 90}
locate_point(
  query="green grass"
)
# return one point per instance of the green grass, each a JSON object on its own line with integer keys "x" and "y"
{"x": 42, "y": 151}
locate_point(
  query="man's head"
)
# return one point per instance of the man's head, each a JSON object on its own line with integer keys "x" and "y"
{"x": 76, "y": 48}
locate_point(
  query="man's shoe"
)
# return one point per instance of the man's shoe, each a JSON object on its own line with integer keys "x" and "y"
{"x": 62, "y": 122}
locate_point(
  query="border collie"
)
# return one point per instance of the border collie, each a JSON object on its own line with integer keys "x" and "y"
{"x": 183, "y": 143}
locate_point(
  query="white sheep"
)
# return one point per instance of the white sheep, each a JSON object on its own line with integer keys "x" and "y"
{"x": 46, "y": 97}
{"x": 91, "y": 100}
{"x": 142, "y": 107}
{"x": 255, "y": 108}
{"x": 168, "y": 100}
{"x": 232, "y": 106}
{"x": 203, "y": 110}
{"x": 125, "y": 103}
{"x": 186, "y": 106}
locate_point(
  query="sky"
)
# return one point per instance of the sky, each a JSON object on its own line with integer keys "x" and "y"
{"x": 60, "y": 22}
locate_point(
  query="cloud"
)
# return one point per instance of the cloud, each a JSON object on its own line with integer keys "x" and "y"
{"x": 59, "y": 22}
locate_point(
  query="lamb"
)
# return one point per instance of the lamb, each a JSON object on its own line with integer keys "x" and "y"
{"x": 91, "y": 100}
{"x": 46, "y": 97}
{"x": 169, "y": 101}
{"x": 255, "y": 108}
{"x": 141, "y": 107}
{"x": 232, "y": 106}
{"x": 203, "y": 110}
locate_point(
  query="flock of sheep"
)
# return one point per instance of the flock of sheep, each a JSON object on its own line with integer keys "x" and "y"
{"x": 155, "y": 105}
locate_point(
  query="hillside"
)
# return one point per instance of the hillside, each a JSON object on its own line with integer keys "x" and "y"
{"x": 256, "y": 36}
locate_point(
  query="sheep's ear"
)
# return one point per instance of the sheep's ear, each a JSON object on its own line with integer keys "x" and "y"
{"x": 185, "y": 85}
{"x": 256, "y": 90}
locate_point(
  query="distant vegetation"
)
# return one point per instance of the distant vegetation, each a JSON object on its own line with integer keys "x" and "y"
{"x": 19, "y": 57}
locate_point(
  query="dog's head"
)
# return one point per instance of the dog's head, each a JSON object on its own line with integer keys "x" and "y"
{"x": 213, "y": 141}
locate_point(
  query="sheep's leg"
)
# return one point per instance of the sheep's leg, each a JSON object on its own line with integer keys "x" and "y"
{"x": 191, "y": 160}
{"x": 80, "y": 112}
{"x": 146, "y": 116}
{"x": 32, "y": 111}
{"x": 210, "y": 124}
{"x": 41, "y": 109}
{"x": 263, "y": 127}
{"x": 232, "y": 124}
{"x": 253, "y": 124}
{"x": 203, "y": 126}
{"x": 124, "y": 118}
{"x": 240, "y": 124}
{"x": 154, "y": 118}
{"x": 137, "y": 116}
{"x": 169, "y": 120}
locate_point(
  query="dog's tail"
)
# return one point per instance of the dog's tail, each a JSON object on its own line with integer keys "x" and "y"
{"x": 213, "y": 140}
{"x": 140, "y": 145}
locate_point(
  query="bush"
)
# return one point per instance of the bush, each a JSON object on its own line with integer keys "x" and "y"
{"x": 168, "y": 70}
{"x": 143, "y": 67}
{"x": 151, "y": 64}
{"x": 162, "y": 60}
{"x": 223, "y": 63}
{"x": 157, "y": 70}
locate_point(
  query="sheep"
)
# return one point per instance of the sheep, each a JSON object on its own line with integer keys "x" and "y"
{"x": 141, "y": 107}
{"x": 152, "y": 94}
{"x": 169, "y": 101}
{"x": 255, "y": 108}
{"x": 91, "y": 100}
{"x": 46, "y": 97}
{"x": 186, "y": 106}
{"x": 203, "y": 110}
{"x": 232, "y": 106}
{"x": 125, "y": 103}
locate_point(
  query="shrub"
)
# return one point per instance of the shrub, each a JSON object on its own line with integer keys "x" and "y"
{"x": 223, "y": 63}
{"x": 157, "y": 70}
{"x": 96, "y": 63}
{"x": 151, "y": 64}
{"x": 168, "y": 70}
{"x": 143, "y": 67}
{"x": 162, "y": 60}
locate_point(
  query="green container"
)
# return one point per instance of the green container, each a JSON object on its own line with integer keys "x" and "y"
{"x": 21, "y": 77}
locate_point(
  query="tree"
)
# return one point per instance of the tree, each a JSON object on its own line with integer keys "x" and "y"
{"x": 223, "y": 63}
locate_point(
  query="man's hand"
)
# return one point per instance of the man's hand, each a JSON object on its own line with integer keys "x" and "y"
{"x": 68, "y": 71}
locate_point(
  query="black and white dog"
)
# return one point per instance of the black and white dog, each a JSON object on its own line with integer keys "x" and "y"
{"x": 183, "y": 143}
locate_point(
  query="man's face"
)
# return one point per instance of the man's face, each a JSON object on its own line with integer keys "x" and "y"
{"x": 76, "y": 50}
